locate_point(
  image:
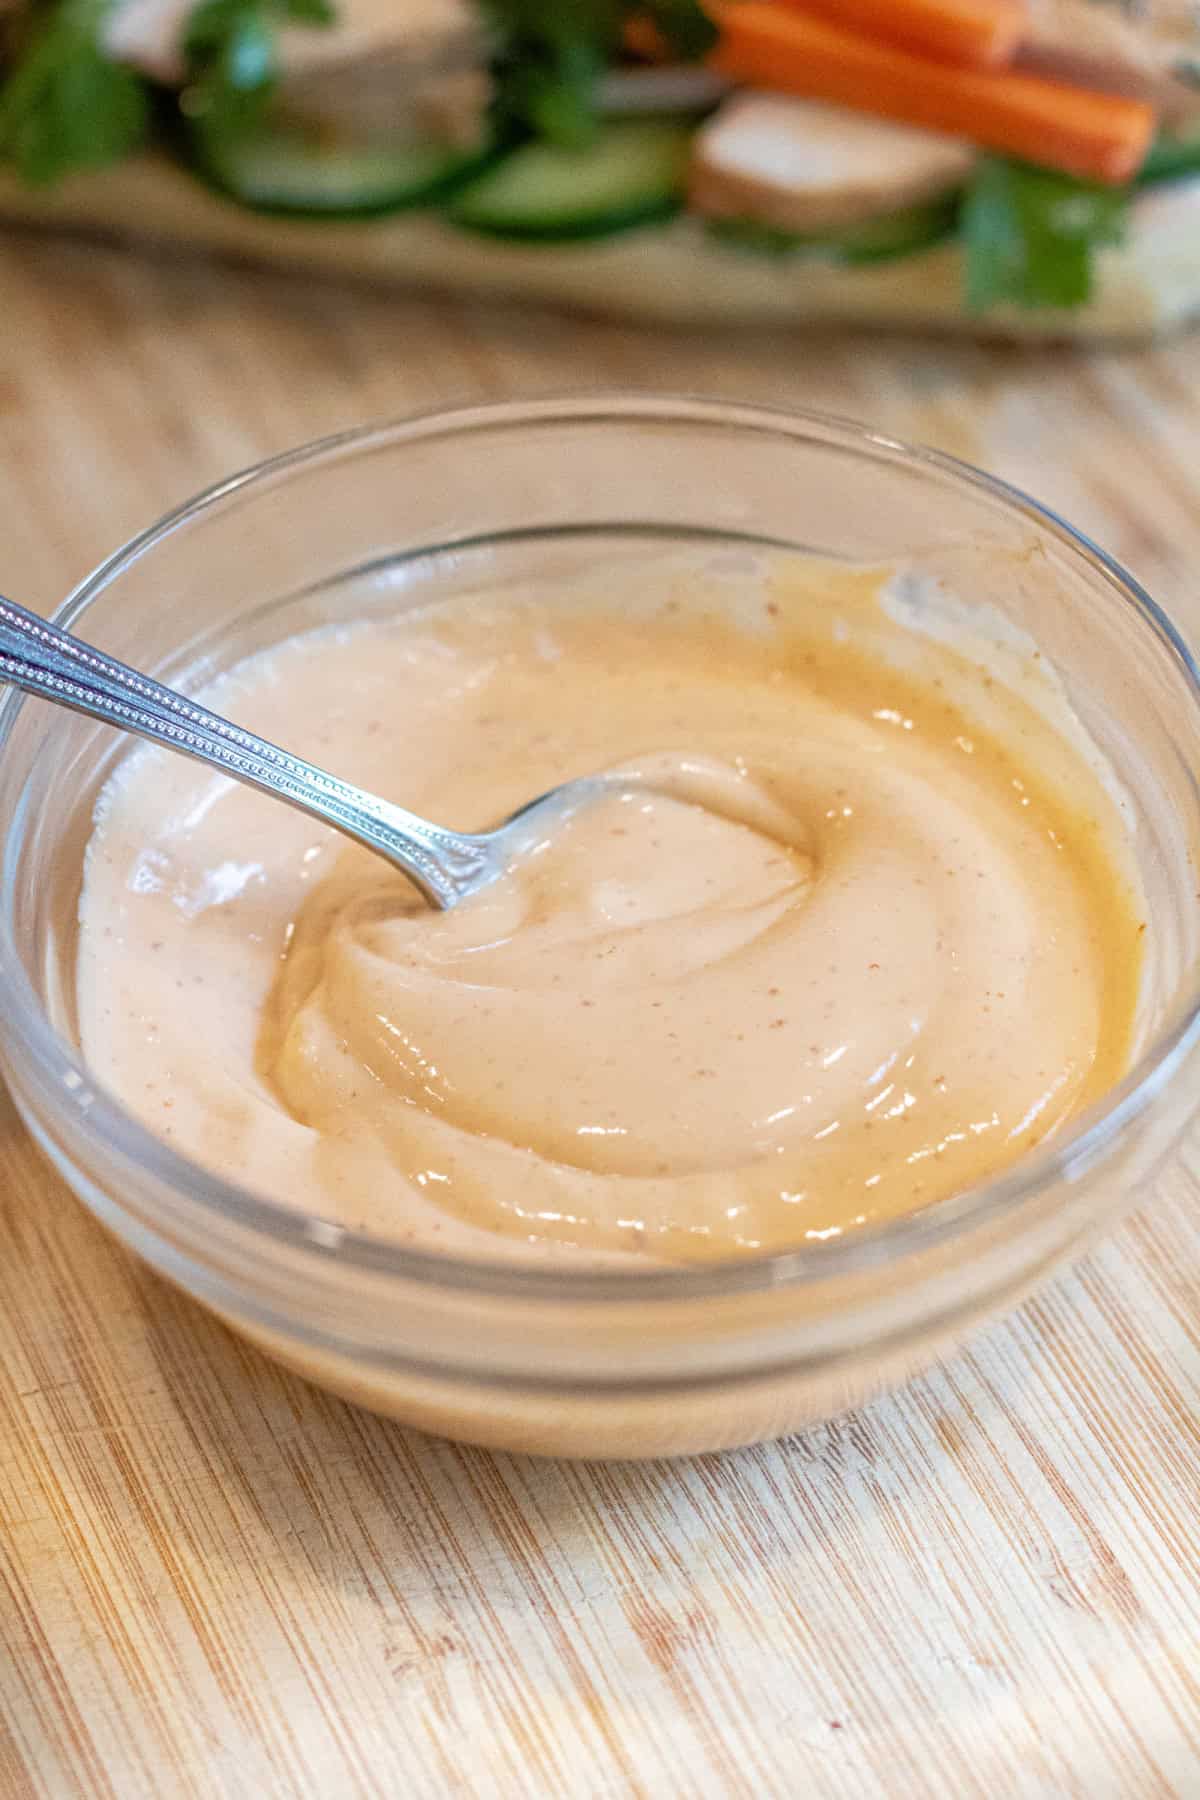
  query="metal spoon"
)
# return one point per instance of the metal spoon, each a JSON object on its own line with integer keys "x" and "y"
{"x": 445, "y": 865}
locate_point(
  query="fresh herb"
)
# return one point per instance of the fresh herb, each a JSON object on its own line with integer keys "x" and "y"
{"x": 554, "y": 52}
{"x": 551, "y": 59}
{"x": 232, "y": 51}
{"x": 1031, "y": 236}
{"x": 65, "y": 106}
{"x": 550, "y": 90}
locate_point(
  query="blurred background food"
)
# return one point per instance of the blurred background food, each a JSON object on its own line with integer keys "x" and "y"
{"x": 1024, "y": 167}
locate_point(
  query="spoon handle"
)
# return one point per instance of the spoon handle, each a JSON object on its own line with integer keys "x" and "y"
{"x": 41, "y": 659}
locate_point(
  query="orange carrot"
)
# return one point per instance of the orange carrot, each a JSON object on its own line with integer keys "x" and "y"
{"x": 1101, "y": 137}
{"x": 976, "y": 32}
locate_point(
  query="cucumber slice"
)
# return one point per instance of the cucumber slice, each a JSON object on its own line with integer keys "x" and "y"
{"x": 631, "y": 172}
{"x": 279, "y": 168}
{"x": 900, "y": 233}
{"x": 880, "y": 239}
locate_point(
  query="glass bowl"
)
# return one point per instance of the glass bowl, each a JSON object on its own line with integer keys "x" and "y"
{"x": 569, "y": 1362}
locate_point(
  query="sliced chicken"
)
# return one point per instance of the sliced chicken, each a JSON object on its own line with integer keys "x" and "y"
{"x": 389, "y": 68}
{"x": 1091, "y": 45}
{"x": 444, "y": 34}
{"x": 385, "y": 67}
{"x": 799, "y": 165}
{"x": 149, "y": 34}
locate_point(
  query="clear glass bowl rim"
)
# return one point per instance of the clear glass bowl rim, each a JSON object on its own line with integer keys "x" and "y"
{"x": 31, "y": 1035}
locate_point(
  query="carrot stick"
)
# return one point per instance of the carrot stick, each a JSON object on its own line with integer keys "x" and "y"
{"x": 1101, "y": 137}
{"x": 981, "y": 33}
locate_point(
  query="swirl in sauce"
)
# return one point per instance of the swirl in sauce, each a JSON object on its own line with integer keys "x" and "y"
{"x": 899, "y": 951}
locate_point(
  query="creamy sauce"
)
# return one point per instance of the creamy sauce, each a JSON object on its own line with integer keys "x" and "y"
{"x": 893, "y": 953}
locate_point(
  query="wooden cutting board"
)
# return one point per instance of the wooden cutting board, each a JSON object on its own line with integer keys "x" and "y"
{"x": 216, "y": 1582}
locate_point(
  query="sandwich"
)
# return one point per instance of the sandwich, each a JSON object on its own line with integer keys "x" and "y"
{"x": 1012, "y": 168}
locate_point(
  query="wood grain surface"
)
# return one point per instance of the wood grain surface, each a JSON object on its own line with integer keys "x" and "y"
{"x": 217, "y": 1582}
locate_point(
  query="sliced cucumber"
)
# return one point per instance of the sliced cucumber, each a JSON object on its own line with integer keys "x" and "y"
{"x": 279, "y": 168}
{"x": 900, "y": 233}
{"x": 880, "y": 239}
{"x": 631, "y": 172}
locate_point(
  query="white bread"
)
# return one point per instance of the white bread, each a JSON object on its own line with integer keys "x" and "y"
{"x": 675, "y": 273}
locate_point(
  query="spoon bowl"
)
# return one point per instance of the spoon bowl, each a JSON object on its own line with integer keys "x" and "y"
{"x": 445, "y": 866}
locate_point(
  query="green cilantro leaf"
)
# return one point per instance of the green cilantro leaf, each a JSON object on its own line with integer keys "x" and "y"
{"x": 551, "y": 59}
{"x": 551, "y": 90}
{"x": 554, "y": 52}
{"x": 64, "y": 106}
{"x": 1031, "y": 235}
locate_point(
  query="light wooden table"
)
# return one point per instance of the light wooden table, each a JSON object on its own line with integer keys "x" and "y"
{"x": 216, "y": 1582}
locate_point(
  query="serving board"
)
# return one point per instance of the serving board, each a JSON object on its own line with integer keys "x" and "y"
{"x": 217, "y": 1582}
